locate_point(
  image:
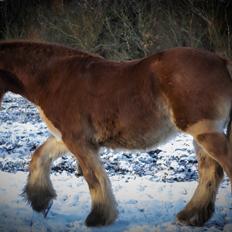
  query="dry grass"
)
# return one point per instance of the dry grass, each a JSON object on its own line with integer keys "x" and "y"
{"x": 126, "y": 29}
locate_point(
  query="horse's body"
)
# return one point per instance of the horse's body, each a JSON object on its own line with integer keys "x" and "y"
{"x": 88, "y": 102}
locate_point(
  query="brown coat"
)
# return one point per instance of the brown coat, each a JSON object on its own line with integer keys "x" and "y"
{"x": 93, "y": 102}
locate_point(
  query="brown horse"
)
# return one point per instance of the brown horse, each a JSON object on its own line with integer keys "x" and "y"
{"x": 89, "y": 102}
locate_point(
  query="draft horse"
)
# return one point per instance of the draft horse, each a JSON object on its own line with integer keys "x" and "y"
{"x": 88, "y": 102}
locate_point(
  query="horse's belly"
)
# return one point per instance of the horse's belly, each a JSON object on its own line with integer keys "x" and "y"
{"x": 137, "y": 136}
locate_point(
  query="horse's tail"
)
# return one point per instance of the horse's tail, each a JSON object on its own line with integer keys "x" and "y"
{"x": 229, "y": 67}
{"x": 9, "y": 82}
{"x": 229, "y": 126}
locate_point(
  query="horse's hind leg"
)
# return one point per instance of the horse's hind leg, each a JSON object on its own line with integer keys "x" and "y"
{"x": 219, "y": 148}
{"x": 201, "y": 206}
{"x": 103, "y": 210}
{"x": 39, "y": 190}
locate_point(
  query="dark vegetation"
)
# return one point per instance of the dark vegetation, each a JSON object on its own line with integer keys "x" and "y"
{"x": 121, "y": 29}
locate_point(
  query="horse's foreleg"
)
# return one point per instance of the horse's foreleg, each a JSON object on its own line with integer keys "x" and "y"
{"x": 104, "y": 209}
{"x": 39, "y": 190}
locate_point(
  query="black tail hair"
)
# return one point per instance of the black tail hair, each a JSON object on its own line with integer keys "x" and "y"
{"x": 228, "y": 129}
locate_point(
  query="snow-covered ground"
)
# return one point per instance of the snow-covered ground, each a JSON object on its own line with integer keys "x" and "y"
{"x": 150, "y": 187}
{"x": 144, "y": 205}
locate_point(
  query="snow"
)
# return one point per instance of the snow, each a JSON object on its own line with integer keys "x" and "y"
{"x": 150, "y": 187}
{"x": 144, "y": 205}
